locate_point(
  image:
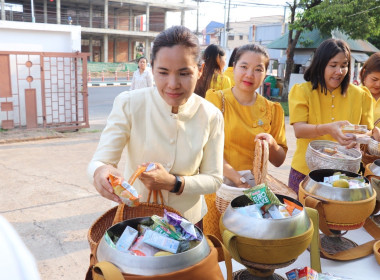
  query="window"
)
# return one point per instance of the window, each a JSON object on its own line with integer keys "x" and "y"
{"x": 231, "y": 37}
{"x": 240, "y": 37}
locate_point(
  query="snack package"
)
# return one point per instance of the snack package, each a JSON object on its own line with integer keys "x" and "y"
{"x": 140, "y": 248}
{"x": 162, "y": 227}
{"x": 125, "y": 191}
{"x": 262, "y": 194}
{"x": 307, "y": 273}
{"x": 292, "y": 207}
{"x": 184, "y": 226}
{"x": 354, "y": 128}
{"x": 253, "y": 210}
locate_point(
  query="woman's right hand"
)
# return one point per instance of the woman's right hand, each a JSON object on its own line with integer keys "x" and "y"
{"x": 102, "y": 184}
{"x": 335, "y": 130}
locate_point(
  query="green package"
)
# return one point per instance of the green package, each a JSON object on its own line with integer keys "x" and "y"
{"x": 261, "y": 194}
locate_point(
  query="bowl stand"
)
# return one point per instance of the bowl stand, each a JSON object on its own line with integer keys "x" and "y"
{"x": 258, "y": 271}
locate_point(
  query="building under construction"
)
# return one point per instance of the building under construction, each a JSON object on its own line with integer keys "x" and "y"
{"x": 111, "y": 30}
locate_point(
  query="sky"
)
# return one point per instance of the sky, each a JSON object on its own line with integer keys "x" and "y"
{"x": 240, "y": 10}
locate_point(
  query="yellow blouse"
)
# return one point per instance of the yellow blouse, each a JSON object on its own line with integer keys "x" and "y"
{"x": 230, "y": 74}
{"x": 222, "y": 82}
{"x": 243, "y": 123}
{"x": 314, "y": 107}
{"x": 376, "y": 107}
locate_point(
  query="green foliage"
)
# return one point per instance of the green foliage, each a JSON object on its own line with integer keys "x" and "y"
{"x": 285, "y": 106}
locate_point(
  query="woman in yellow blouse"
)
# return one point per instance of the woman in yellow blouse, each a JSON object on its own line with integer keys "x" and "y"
{"x": 248, "y": 116}
{"x": 327, "y": 101}
{"x": 214, "y": 59}
{"x": 370, "y": 78}
{"x": 230, "y": 67}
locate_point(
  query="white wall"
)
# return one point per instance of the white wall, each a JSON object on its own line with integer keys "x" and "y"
{"x": 39, "y": 37}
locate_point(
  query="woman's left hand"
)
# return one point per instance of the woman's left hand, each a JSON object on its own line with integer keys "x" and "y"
{"x": 158, "y": 178}
{"x": 376, "y": 133}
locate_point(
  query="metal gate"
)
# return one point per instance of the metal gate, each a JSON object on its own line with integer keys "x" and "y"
{"x": 46, "y": 90}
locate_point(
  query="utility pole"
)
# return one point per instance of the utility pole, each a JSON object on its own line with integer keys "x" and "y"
{"x": 197, "y": 17}
{"x": 223, "y": 40}
{"x": 32, "y": 6}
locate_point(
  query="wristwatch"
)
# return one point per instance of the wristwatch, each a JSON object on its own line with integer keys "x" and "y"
{"x": 243, "y": 180}
{"x": 177, "y": 185}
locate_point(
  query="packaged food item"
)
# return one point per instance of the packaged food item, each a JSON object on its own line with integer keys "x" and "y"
{"x": 292, "y": 274}
{"x": 109, "y": 241}
{"x": 162, "y": 227}
{"x": 140, "y": 248}
{"x": 160, "y": 241}
{"x": 334, "y": 152}
{"x": 262, "y": 194}
{"x": 253, "y": 210}
{"x": 162, "y": 253}
{"x": 307, "y": 273}
{"x": 181, "y": 224}
{"x": 126, "y": 239}
{"x": 354, "y": 128}
{"x": 339, "y": 180}
{"x": 292, "y": 207}
{"x": 125, "y": 191}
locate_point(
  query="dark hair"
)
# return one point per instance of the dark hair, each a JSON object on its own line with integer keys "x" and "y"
{"x": 371, "y": 65}
{"x": 315, "y": 73}
{"x": 176, "y": 36}
{"x": 232, "y": 58}
{"x": 141, "y": 57}
{"x": 252, "y": 48}
{"x": 211, "y": 68}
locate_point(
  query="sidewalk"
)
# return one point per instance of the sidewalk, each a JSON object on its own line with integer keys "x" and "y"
{"x": 48, "y": 199}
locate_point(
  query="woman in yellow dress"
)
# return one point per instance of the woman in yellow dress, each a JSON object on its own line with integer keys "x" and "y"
{"x": 214, "y": 60}
{"x": 370, "y": 78}
{"x": 230, "y": 67}
{"x": 248, "y": 116}
{"x": 327, "y": 100}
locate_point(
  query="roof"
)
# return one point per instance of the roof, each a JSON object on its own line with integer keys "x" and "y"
{"x": 210, "y": 28}
{"x": 312, "y": 39}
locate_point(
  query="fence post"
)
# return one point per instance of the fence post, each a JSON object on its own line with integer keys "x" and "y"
{"x": 128, "y": 75}
{"x": 102, "y": 76}
{"x": 89, "y": 76}
{"x": 115, "y": 75}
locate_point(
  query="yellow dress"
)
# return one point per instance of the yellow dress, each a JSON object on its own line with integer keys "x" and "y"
{"x": 222, "y": 82}
{"x": 230, "y": 74}
{"x": 241, "y": 125}
{"x": 314, "y": 107}
{"x": 376, "y": 107}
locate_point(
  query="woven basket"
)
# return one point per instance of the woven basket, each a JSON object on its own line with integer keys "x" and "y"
{"x": 226, "y": 193}
{"x": 120, "y": 213}
{"x": 366, "y": 156}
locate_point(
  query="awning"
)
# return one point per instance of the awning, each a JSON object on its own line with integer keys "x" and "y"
{"x": 298, "y": 59}
{"x": 360, "y": 57}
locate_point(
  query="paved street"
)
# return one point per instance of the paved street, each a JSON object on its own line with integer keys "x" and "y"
{"x": 48, "y": 199}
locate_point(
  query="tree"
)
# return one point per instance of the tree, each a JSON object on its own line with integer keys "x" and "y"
{"x": 357, "y": 18}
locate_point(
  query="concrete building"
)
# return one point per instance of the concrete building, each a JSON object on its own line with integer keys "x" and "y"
{"x": 111, "y": 30}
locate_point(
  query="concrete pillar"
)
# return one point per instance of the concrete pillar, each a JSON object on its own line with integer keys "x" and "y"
{"x": 147, "y": 17}
{"x": 182, "y": 17}
{"x": 2, "y": 9}
{"x": 147, "y": 49}
{"x": 131, "y": 21}
{"x": 58, "y": 8}
{"x": 45, "y": 12}
{"x": 166, "y": 20}
{"x": 91, "y": 50}
{"x": 130, "y": 49}
{"x": 106, "y": 14}
{"x": 114, "y": 49}
{"x": 105, "y": 48}
{"x": 91, "y": 13}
